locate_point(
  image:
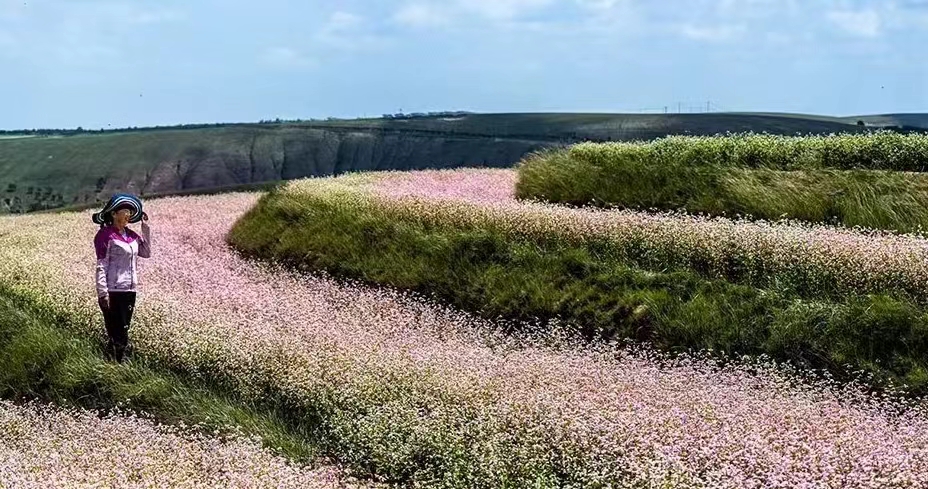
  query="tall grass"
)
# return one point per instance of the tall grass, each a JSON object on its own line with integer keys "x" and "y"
{"x": 881, "y": 150}
{"x": 875, "y": 199}
{"x": 847, "y": 180}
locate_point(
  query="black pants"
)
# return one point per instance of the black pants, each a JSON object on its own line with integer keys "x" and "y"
{"x": 117, "y": 319}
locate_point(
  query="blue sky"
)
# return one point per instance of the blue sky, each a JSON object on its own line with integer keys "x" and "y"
{"x": 110, "y": 63}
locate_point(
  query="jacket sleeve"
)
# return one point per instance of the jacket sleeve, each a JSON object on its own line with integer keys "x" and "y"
{"x": 145, "y": 242}
{"x": 101, "y": 245}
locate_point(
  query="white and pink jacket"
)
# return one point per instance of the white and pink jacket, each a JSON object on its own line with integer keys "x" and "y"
{"x": 117, "y": 257}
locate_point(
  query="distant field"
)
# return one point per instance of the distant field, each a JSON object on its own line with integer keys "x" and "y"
{"x": 53, "y": 171}
{"x": 610, "y": 127}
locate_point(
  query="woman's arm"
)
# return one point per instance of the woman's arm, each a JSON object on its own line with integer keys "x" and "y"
{"x": 145, "y": 242}
{"x": 101, "y": 245}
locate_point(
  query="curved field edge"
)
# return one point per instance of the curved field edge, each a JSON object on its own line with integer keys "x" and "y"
{"x": 484, "y": 268}
{"x": 405, "y": 390}
{"x": 630, "y": 177}
{"x": 42, "y": 360}
{"x": 387, "y": 425}
{"x": 64, "y": 364}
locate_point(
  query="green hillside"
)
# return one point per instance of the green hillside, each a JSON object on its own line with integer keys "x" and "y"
{"x": 50, "y": 171}
{"x": 43, "y": 172}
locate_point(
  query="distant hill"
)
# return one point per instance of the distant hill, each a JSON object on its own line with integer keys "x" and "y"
{"x": 604, "y": 127}
{"x": 49, "y": 169}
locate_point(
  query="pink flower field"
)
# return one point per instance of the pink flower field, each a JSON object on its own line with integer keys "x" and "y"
{"x": 398, "y": 377}
{"x": 43, "y": 447}
{"x": 849, "y": 259}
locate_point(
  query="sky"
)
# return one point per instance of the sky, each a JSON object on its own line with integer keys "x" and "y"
{"x": 112, "y": 63}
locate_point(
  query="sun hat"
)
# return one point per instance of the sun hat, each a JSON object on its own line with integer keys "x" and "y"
{"x": 120, "y": 200}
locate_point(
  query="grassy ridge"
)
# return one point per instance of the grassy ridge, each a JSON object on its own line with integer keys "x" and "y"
{"x": 835, "y": 180}
{"x": 497, "y": 274}
{"x": 39, "y": 360}
{"x": 867, "y": 198}
{"x": 873, "y": 151}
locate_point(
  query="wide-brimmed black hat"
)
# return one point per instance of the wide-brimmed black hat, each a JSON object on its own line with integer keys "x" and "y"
{"x": 121, "y": 200}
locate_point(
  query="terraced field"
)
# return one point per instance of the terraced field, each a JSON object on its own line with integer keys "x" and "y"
{"x": 403, "y": 386}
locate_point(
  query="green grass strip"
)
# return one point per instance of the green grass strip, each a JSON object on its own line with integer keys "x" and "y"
{"x": 882, "y": 150}
{"x": 602, "y": 176}
{"x": 39, "y": 360}
{"x": 498, "y": 274}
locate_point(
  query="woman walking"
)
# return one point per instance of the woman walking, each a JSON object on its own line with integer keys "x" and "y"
{"x": 118, "y": 249}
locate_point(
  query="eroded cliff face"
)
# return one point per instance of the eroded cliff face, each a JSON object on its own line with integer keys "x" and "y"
{"x": 318, "y": 153}
{"x": 74, "y": 171}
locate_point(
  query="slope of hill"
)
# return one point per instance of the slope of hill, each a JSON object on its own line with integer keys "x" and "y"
{"x": 38, "y": 173}
{"x": 51, "y": 171}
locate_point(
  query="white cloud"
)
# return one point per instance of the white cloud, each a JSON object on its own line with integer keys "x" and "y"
{"x": 503, "y": 9}
{"x": 760, "y": 8}
{"x": 599, "y": 5}
{"x": 343, "y": 21}
{"x": 85, "y": 34}
{"x": 433, "y": 13}
{"x": 720, "y": 33}
{"x": 285, "y": 57}
{"x": 421, "y": 15}
{"x": 864, "y": 23}
{"x": 341, "y": 32}
{"x": 155, "y": 16}
{"x": 116, "y": 16}
{"x": 349, "y": 32}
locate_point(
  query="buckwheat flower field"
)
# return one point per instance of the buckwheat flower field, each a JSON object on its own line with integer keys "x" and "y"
{"x": 42, "y": 446}
{"x": 407, "y": 388}
{"x": 816, "y": 257}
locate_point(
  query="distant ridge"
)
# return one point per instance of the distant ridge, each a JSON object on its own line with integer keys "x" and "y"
{"x": 51, "y": 168}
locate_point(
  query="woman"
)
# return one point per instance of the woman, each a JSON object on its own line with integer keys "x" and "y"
{"x": 118, "y": 248}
